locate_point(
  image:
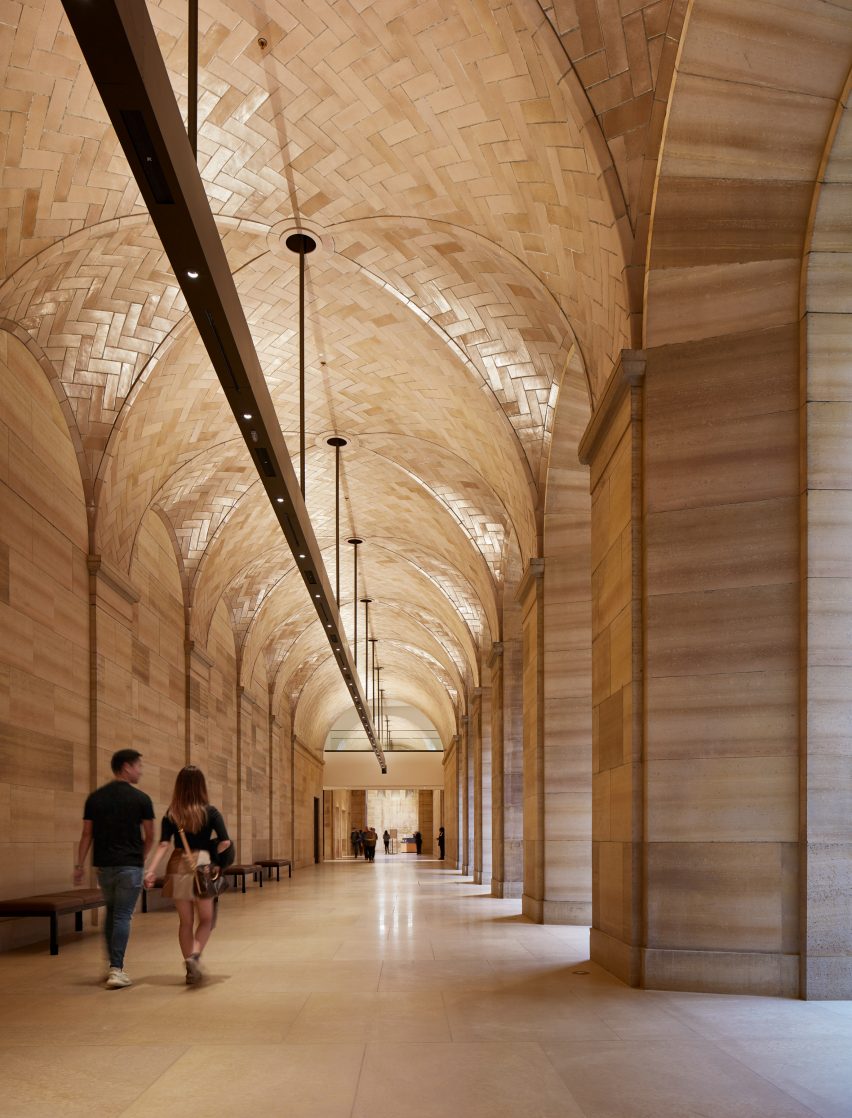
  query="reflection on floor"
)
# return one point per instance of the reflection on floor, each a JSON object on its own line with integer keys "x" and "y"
{"x": 397, "y": 990}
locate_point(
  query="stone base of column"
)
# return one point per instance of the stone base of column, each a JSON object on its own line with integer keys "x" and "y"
{"x": 619, "y": 958}
{"x": 557, "y": 912}
{"x": 724, "y": 972}
{"x": 506, "y": 889}
{"x": 465, "y": 871}
{"x": 827, "y": 978}
{"x": 477, "y": 877}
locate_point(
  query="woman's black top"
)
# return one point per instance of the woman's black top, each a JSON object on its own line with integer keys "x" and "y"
{"x": 197, "y": 840}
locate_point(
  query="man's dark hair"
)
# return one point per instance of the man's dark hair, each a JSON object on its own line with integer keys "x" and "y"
{"x": 124, "y": 757}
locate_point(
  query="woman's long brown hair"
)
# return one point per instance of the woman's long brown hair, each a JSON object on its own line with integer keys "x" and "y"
{"x": 188, "y": 808}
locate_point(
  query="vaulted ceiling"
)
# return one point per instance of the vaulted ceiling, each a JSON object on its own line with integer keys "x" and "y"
{"x": 476, "y": 205}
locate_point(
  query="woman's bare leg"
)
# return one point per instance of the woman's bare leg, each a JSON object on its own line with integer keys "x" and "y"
{"x": 186, "y": 915}
{"x": 204, "y": 926}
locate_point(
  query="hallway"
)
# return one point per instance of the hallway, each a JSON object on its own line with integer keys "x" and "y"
{"x": 397, "y": 991}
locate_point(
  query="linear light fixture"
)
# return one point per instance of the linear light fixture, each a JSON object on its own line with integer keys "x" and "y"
{"x": 121, "y": 50}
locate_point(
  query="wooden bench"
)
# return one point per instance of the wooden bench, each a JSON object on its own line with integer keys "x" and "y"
{"x": 270, "y": 864}
{"x": 54, "y": 905}
{"x": 236, "y": 871}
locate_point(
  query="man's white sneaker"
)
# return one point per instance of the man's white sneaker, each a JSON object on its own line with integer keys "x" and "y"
{"x": 118, "y": 978}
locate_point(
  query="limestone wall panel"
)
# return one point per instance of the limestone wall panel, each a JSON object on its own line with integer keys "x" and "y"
{"x": 44, "y": 685}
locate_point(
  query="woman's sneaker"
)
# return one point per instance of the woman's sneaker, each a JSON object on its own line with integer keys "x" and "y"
{"x": 194, "y": 973}
{"x": 118, "y": 978}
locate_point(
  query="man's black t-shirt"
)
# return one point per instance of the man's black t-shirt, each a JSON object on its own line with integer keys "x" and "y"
{"x": 116, "y": 812}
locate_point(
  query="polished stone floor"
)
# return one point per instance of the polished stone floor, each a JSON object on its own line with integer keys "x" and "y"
{"x": 398, "y": 990}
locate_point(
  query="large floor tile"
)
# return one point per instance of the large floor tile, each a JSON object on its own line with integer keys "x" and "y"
{"x": 251, "y": 1081}
{"x": 817, "y": 1071}
{"x": 56, "y": 1081}
{"x": 462, "y": 1080}
{"x": 670, "y": 1079}
{"x": 398, "y": 1017}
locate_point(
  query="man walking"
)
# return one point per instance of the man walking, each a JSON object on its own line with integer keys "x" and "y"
{"x": 119, "y": 820}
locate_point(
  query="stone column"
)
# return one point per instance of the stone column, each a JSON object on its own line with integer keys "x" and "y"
{"x": 112, "y": 626}
{"x": 451, "y": 801}
{"x": 358, "y": 809}
{"x": 475, "y": 734}
{"x": 556, "y": 733}
{"x": 694, "y": 455}
{"x": 426, "y": 824}
{"x": 275, "y": 783}
{"x": 465, "y": 786}
{"x": 245, "y": 716}
{"x": 481, "y": 748}
{"x": 507, "y": 851}
{"x": 327, "y": 824}
{"x": 530, "y": 596}
{"x": 612, "y": 446}
{"x": 198, "y": 665}
{"x": 825, "y": 814}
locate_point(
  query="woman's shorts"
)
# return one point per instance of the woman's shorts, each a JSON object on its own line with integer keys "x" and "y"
{"x": 180, "y": 875}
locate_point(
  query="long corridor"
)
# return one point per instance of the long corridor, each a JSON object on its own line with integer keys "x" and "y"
{"x": 398, "y": 990}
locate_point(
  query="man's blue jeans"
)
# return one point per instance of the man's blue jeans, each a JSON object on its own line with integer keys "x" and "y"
{"x": 121, "y": 886}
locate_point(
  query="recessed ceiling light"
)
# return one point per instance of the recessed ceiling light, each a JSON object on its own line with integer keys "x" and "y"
{"x": 280, "y": 500}
{"x": 316, "y": 595}
{"x": 302, "y": 557}
{"x": 192, "y": 275}
{"x": 247, "y": 415}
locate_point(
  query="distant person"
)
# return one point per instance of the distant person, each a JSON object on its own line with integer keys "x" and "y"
{"x": 441, "y": 841}
{"x": 355, "y": 839}
{"x": 119, "y": 820}
{"x": 370, "y": 838}
{"x": 191, "y": 816}
{"x": 386, "y": 840}
{"x": 418, "y": 842}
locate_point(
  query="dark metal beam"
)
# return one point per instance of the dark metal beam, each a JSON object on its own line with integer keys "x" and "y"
{"x": 192, "y": 77}
{"x": 121, "y": 50}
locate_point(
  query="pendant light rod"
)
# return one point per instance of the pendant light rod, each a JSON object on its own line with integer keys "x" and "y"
{"x": 373, "y": 642}
{"x": 192, "y": 77}
{"x": 118, "y": 42}
{"x": 301, "y": 244}
{"x": 377, "y": 703}
{"x": 337, "y": 443}
{"x": 356, "y": 542}
{"x": 366, "y": 602}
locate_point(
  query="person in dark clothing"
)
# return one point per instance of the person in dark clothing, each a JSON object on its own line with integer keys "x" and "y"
{"x": 386, "y": 840}
{"x": 370, "y": 837}
{"x": 355, "y": 839}
{"x": 118, "y": 820}
{"x": 190, "y": 816}
{"x": 418, "y": 842}
{"x": 441, "y": 841}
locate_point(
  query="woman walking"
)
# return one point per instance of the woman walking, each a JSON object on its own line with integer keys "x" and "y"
{"x": 191, "y": 821}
